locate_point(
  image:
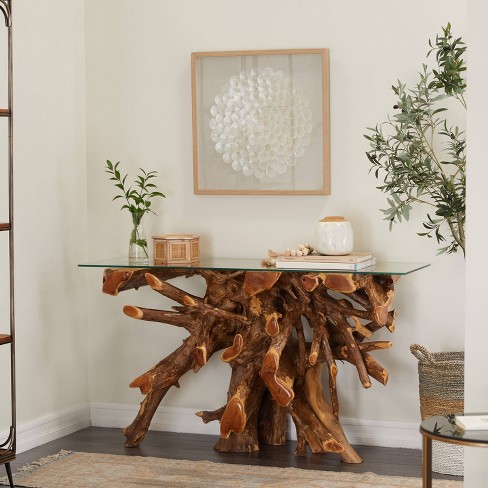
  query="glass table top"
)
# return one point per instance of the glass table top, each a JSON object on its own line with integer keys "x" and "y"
{"x": 444, "y": 427}
{"x": 236, "y": 264}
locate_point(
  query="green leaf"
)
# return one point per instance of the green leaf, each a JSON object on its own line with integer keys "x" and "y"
{"x": 138, "y": 198}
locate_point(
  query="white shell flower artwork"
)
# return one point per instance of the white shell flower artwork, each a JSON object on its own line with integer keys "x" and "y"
{"x": 261, "y": 123}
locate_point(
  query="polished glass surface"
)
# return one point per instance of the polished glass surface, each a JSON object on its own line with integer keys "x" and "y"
{"x": 444, "y": 427}
{"x": 236, "y": 264}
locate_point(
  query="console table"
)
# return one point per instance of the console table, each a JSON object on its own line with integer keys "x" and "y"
{"x": 254, "y": 316}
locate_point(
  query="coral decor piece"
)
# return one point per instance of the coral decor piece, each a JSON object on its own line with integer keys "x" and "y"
{"x": 255, "y": 319}
{"x": 261, "y": 123}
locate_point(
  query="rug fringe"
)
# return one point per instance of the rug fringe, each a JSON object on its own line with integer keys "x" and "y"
{"x": 34, "y": 465}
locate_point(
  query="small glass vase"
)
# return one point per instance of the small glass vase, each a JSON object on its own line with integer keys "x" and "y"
{"x": 138, "y": 243}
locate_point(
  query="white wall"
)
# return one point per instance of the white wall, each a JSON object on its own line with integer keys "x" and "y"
{"x": 50, "y": 207}
{"x": 139, "y": 112}
{"x": 476, "y": 387}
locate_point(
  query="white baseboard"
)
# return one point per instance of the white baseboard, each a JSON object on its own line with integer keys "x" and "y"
{"x": 175, "y": 419}
{"x": 383, "y": 433}
{"x": 51, "y": 427}
{"x": 169, "y": 419}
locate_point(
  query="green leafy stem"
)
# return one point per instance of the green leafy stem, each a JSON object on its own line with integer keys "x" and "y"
{"x": 138, "y": 198}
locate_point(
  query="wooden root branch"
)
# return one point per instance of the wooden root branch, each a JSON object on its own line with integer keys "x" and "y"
{"x": 256, "y": 320}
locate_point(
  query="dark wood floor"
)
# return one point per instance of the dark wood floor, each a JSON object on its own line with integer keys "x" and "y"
{"x": 380, "y": 460}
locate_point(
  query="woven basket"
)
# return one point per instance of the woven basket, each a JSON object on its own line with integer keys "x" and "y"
{"x": 441, "y": 389}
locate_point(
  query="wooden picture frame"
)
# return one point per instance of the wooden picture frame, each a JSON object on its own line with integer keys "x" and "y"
{"x": 261, "y": 122}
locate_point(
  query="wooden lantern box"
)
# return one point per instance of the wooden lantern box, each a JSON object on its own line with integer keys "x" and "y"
{"x": 176, "y": 249}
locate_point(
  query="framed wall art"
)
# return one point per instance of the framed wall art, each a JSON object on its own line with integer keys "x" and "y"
{"x": 261, "y": 122}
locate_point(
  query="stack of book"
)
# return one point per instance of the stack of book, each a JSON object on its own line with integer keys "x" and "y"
{"x": 349, "y": 262}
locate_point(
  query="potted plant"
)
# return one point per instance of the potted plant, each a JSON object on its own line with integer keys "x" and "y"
{"x": 138, "y": 200}
{"x": 419, "y": 156}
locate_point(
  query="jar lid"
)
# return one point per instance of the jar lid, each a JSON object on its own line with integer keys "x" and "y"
{"x": 336, "y": 218}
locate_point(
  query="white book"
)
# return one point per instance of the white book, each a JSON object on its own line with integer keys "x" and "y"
{"x": 355, "y": 257}
{"x": 320, "y": 265}
{"x": 472, "y": 422}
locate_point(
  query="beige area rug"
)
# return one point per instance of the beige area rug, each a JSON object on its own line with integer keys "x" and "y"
{"x": 87, "y": 470}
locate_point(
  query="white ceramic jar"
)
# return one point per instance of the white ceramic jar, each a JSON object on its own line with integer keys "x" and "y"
{"x": 334, "y": 236}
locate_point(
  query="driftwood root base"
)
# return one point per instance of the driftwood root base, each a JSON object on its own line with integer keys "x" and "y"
{"x": 256, "y": 319}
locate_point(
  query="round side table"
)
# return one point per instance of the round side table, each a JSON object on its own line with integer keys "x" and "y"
{"x": 443, "y": 428}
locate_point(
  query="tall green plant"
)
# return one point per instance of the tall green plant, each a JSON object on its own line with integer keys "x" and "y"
{"x": 418, "y": 155}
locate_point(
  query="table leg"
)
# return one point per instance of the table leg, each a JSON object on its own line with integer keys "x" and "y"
{"x": 426, "y": 462}
{"x": 255, "y": 318}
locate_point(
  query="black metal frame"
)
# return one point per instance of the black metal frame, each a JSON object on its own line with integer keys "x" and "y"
{"x": 8, "y": 448}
